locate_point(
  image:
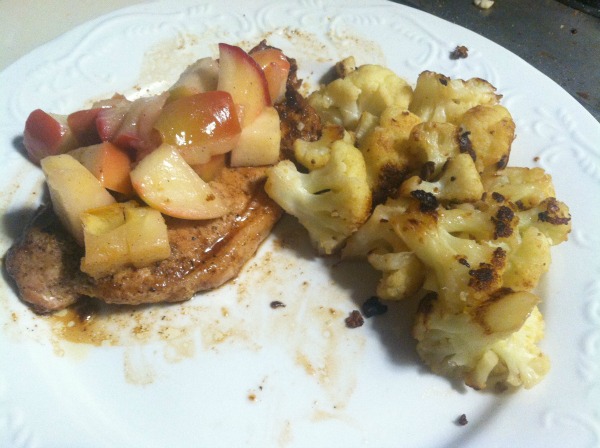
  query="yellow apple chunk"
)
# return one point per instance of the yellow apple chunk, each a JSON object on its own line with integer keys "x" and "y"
{"x": 73, "y": 189}
{"x": 109, "y": 163}
{"x": 260, "y": 141}
{"x": 165, "y": 181}
{"x": 200, "y": 125}
{"x": 120, "y": 235}
{"x": 147, "y": 236}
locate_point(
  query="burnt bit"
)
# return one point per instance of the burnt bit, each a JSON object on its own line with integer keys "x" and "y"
{"x": 464, "y": 262}
{"x": 354, "y": 319}
{"x": 465, "y": 145}
{"x": 298, "y": 120}
{"x": 503, "y": 222}
{"x": 487, "y": 275}
{"x": 373, "y": 307}
{"x": 427, "y": 171}
{"x": 497, "y": 197}
{"x": 389, "y": 180}
{"x": 501, "y": 164}
{"x": 460, "y": 52}
{"x": 443, "y": 81}
{"x": 427, "y": 201}
{"x": 552, "y": 215}
{"x": 462, "y": 420}
{"x": 426, "y": 303}
{"x": 277, "y": 304}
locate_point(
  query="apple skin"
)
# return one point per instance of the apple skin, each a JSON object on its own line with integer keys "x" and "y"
{"x": 276, "y": 68}
{"x": 47, "y": 134}
{"x": 260, "y": 141}
{"x": 83, "y": 126}
{"x": 200, "y": 125}
{"x": 244, "y": 79}
{"x": 109, "y": 164}
{"x": 165, "y": 181}
{"x": 109, "y": 120}
{"x": 73, "y": 189}
{"x": 136, "y": 130}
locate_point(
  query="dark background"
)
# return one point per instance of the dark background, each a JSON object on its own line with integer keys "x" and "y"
{"x": 561, "y": 39}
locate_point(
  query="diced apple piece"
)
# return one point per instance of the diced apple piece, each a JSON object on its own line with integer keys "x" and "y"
{"x": 200, "y": 125}
{"x": 260, "y": 141}
{"x": 83, "y": 126}
{"x": 47, "y": 135}
{"x": 105, "y": 237}
{"x": 201, "y": 76}
{"x": 210, "y": 170}
{"x": 123, "y": 234}
{"x": 242, "y": 77}
{"x": 73, "y": 189}
{"x": 167, "y": 183}
{"x": 147, "y": 236}
{"x": 109, "y": 119}
{"x": 110, "y": 164}
{"x": 276, "y": 68}
{"x": 136, "y": 130}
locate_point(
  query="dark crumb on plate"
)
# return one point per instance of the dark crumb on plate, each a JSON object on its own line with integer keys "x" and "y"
{"x": 584, "y": 95}
{"x": 277, "y": 304}
{"x": 460, "y": 52}
{"x": 373, "y": 307}
{"x": 462, "y": 420}
{"x": 354, "y": 319}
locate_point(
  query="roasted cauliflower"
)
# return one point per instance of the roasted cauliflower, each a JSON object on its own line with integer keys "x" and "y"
{"x": 331, "y": 201}
{"x": 385, "y": 149}
{"x": 402, "y": 272}
{"x": 481, "y": 261}
{"x": 368, "y": 88}
{"x": 441, "y": 99}
{"x": 451, "y": 222}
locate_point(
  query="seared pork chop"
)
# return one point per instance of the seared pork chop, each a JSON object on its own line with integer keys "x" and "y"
{"x": 204, "y": 254}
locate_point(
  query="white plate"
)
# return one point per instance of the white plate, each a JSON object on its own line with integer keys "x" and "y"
{"x": 225, "y": 369}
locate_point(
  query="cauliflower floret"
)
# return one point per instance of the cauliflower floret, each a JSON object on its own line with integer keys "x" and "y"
{"x": 331, "y": 202}
{"x": 526, "y": 187}
{"x": 377, "y": 235}
{"x": 463, "y": 271}
{"x": 385, "y": 151}
{"x": 459, "y": 182}
{"x": 490, "y": 131}
{"x": 481, "y": 261}
{"x": 480, "y": 348}
{"x": 313, "y": 155}
{"x": 402, "y": 272}
{"x": 369, "y": 88}
{"x": 551, "y": 217}
{"x": 439, "y": 98}
{"x": 432, "y": 144}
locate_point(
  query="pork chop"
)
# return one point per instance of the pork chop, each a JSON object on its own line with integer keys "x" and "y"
{"x": 204, "y": 254}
